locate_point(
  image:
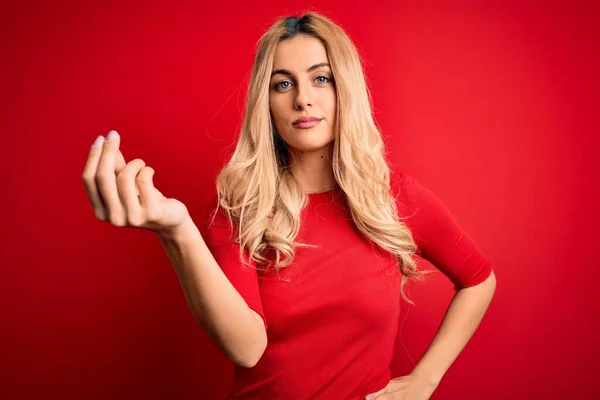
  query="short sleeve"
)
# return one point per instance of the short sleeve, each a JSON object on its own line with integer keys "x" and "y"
{"x": 220, "y": 239}
{"x": 438, "y": 236}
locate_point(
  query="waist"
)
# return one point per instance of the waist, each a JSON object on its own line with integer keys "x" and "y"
{"x": 350, "y": 382}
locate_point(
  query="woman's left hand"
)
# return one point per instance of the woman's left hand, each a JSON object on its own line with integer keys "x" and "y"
{"x": 408, "y": 387}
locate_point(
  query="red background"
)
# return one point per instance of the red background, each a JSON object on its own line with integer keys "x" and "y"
{"x": 492, "y": 106}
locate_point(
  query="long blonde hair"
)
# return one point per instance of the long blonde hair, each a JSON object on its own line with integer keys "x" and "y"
{"x": 258, "y": 191}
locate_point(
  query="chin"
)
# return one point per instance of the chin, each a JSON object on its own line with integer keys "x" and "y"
{"x": 309, "y": 144}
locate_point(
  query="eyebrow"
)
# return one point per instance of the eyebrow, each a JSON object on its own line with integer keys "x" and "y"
{"x": 288, "y": 73}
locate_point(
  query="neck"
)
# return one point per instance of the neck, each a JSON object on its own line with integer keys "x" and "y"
{"x": 313, "y": 170}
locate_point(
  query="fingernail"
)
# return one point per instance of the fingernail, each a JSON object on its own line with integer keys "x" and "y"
{"x": 111, "y": 135}
{"x": 98, "y": 141}
{"x": 370, "y": 397}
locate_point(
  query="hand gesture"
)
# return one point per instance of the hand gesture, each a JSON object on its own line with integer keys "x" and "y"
{"x": 124, "y": 193}
{"x": 408, "y": 387}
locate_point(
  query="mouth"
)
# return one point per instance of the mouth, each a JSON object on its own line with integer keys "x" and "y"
{"x": 306, "y": 123}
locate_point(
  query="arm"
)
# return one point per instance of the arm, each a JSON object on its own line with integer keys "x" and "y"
{"x": 443, "y": 242}
{"x": 462, "y": 318}
{"x": 238, "y": 331}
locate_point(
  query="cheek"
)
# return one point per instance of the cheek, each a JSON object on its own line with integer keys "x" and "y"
{"x": 276, "y": 108}
{"x": 330, "y": 101}
{"x": 331, "y": 108}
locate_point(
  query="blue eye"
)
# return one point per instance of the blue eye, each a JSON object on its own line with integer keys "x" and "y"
{"x": 279, "y": 85}
{"x": 283, "y": 85}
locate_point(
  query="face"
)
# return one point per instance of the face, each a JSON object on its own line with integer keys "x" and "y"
{"x": 302, "y": 87}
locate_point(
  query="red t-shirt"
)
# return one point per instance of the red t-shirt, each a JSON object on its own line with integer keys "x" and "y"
{"x": 332, "y": 328}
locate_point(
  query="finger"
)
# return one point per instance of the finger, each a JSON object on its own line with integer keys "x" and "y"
{"x": 158, "y": 193}
{"x": 145, "y": 186}
{"x": 89, "y": 181}
{"x": 126, "y": 186}
{"x": 377, "y": 394}
{"x": 106, "y": 180}
{"x": 119, "y": 162}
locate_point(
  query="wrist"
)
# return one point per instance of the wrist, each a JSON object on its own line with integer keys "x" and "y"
{"x": 180, "y": 232}
{"x": 426, "y": 376}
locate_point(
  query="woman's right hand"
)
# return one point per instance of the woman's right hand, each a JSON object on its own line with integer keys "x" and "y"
{"x": 124, "y": 194}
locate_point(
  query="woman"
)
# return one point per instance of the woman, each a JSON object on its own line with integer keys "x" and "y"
{"x": 299, "y": 276}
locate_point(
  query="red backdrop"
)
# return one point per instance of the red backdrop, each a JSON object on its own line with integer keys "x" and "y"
{"x": 493, "y": 107}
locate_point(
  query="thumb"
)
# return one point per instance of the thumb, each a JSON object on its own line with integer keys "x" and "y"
{"x": 119, "y": 161}
{"x": 160, "y": 195}
{"x": 375, "y": 395}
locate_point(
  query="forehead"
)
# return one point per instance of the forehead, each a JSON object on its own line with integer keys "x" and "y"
{"x": 299, "y": 53}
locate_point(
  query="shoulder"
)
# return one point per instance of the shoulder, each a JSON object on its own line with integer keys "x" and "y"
{"x": 405, "y": 190}
{"x": 422, "y": 210}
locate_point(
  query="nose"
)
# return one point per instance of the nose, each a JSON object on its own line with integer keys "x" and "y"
{"x": 303, "y": 97}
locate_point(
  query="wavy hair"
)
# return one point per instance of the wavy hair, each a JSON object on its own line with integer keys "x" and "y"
{"x": 259, "y": 193}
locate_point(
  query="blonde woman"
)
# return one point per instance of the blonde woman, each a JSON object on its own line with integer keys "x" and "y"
{"x": 299, "y": 276}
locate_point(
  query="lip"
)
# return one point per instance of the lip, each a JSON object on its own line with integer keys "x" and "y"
{"x": 306, "y": 122}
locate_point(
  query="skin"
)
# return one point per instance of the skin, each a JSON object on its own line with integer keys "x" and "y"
{"x": 303, "y": 91}
{"x": 124, "y": 195}
{"x": 460, "y": 322}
